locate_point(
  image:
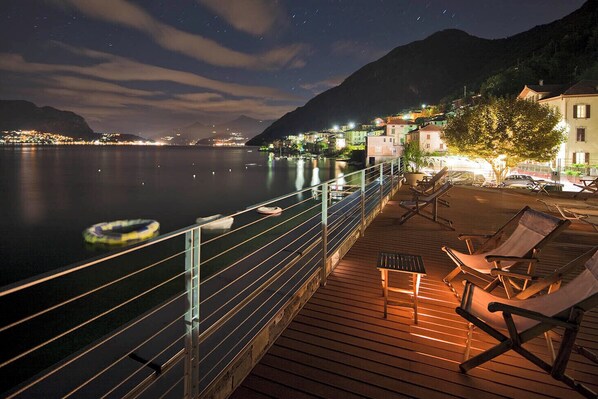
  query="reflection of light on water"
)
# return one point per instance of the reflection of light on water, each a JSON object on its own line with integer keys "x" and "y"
{"x": 32, "y": 202}
{"x": 300, "y": 178}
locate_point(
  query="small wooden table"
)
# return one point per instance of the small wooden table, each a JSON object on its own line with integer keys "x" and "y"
{"x": 396, "y": 262}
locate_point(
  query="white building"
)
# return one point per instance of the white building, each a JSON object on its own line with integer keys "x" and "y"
{"x": 575, "y": 103}
{"x": 429, "y": 137}
{"x": 380, "y": 149}
{"x": 398, "y": 128}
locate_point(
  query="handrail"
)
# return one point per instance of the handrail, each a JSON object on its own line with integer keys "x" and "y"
{"x": 277, "y": 253}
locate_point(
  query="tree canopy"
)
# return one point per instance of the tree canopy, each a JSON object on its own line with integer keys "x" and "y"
{"x": 505, "y": 132}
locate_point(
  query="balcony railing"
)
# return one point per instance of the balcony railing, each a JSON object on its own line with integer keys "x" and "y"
{"x": 170, "y": 316}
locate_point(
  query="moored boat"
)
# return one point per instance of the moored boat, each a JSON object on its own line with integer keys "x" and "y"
{"x": 120, "y": 232}
{"x": 269, "y": 210}
{"x": 215, "y": 222}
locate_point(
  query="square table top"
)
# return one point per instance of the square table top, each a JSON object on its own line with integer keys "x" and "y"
{"x": 401, "y": 262}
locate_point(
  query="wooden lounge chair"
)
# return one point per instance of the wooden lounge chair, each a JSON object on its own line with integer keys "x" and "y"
{"x": 587, "y": 215}
{"x": 527, "y": 319}
{"x": 518, "y": 242}
{"x": 428, "y": 186}
{"x": 590, "y": 185}
{"x": 419, "y": 203}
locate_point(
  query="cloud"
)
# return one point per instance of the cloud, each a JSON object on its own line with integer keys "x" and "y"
{"x": 255, "y": 17}
{"x": 98, "y": 93}
{"x": 115, "y": 68}
{"x": 322, "y": 85}
{"x": 356, "y": 49}
{"x": 200, "y": 48}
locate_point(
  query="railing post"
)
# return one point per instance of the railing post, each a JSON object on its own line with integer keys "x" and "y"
{"x": 192, "y": 277}
{"x": 324, "y": 233}
{"x": 392, "y": 176}
{"x": 362, "y": 202}
{"x": 381, "y": 185}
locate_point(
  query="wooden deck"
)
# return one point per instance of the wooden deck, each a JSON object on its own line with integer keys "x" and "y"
{"x": 340, "y": 346}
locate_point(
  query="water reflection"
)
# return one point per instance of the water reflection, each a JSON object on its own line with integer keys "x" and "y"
{"x": 299, "y": 176}
{"x": 31, "y": 202}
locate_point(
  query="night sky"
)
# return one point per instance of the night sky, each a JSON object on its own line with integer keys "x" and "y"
{"x": 147, "y": 66}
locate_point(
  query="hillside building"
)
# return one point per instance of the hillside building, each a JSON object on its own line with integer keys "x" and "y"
{"x": 398, "y": 128}
{"x": 380, "y": 149}
{"x": 575, "y": 103}
{"x": 429, "y": 137}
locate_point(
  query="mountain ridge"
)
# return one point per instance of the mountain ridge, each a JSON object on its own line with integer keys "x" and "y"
{"x": 25, "y": 115}
{"x": 438, "y": 67}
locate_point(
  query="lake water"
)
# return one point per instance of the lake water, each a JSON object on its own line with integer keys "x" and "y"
{"x": 49, "y": 195}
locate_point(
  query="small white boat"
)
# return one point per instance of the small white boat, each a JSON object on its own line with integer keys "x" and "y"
{"x": 269, "y": 210}
{"x": 215, "y": 222}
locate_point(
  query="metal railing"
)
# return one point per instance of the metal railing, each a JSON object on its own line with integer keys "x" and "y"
{"x": 167, "y": 317}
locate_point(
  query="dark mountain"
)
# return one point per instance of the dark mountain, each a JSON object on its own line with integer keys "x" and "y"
{"x": 248, "y": 127}
{"x": 24, "y": 115}
{"x": 439, "y": 66}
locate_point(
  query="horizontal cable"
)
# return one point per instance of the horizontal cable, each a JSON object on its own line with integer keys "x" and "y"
{"x": 252, "y": 253}
{"x": 94, "y": 346}
{"x": 249, "y": 240}
{"x": 142, "y": 367}
{"x": 115, "y": 362}
{"x": 228, "y": 233}
{"x": 258, "y": 308}
{"x": 70, "y": 330}
{"x": 83, "y": 295}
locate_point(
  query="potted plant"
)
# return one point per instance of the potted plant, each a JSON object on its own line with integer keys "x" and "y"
{"x": 414, "y": 159}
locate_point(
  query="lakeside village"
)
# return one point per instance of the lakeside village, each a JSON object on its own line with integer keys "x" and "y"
{"x": 386, "y": 137}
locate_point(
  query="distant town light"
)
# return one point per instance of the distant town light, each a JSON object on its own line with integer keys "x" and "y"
{"x": 351, "y": 125}
{"x": 335, "y": 127}
{"x": 423, "y": 105}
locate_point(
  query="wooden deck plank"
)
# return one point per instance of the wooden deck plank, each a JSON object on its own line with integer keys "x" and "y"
{"x": 340, "y": 344}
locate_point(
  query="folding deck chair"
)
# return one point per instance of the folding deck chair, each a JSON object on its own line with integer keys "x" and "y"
{"x": 431, "y": 185}
{"x": 518, "y": 242}
{"x": 419, "y": 203}
{"x": 587, "y": 215}
{"x": 527, "y": 319}
{"x": 590, "y": 185}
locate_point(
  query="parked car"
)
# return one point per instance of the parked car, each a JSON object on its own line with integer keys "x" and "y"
{"x": 517, "y": 181}
{"x": 465, "y": 178}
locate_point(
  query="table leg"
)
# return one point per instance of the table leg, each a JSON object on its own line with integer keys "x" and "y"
{"x": 385, "y": 286}
{"x": 416, "y": 280}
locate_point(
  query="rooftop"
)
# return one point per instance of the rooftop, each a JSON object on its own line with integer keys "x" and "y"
{"x": 340, "y": 345}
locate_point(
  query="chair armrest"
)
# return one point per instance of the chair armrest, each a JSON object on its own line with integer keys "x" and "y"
{"x": 464, "y": 237}
{"x": 499, "y": 258}
{"x": 499, "y": 272}
{"x": 530, "y": 314}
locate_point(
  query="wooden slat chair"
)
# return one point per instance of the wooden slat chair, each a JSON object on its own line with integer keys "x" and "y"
{"x": 586, "y": 214}
{"x": 518, "y": 242}
{"x": 527, "y": 319}
{"x": 419, "y": 203}
{"x": 429, "y": 186}
{"x": 590, "y": 185}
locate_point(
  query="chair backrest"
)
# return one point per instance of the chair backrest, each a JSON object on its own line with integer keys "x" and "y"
{"x": 438, "y": 176}
{"x": 581, "y": 292}
{"x": 436, "y": 194}
{"x": 531, "y": 231}
{"x": 427, "y": 187}
{"x": 554, "y": 280}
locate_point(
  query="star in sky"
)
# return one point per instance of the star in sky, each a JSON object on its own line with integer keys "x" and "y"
{"x": 144, "y": 67}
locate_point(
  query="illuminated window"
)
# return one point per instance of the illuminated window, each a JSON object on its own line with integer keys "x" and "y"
{"x": 581, "y": 111}
{"x": 581, "y": 134}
